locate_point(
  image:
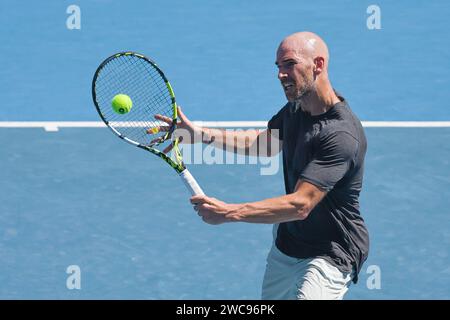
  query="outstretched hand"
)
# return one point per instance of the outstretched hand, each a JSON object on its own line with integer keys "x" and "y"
{"x": 184, "y": 124}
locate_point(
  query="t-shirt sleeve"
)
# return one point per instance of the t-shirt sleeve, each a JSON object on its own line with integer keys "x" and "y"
{"x": 275, "y": 125}
{"x": 332, "y": 159}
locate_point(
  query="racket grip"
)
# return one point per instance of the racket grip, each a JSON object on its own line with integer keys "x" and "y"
{"x": 191, "y": 183}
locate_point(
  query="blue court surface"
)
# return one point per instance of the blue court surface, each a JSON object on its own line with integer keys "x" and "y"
{"x": 80, "y": 196}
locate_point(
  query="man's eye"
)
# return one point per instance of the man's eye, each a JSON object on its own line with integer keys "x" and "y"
{"x": 290, "y": 63}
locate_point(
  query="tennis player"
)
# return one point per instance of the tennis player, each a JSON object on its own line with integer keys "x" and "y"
{"x": 320, "y": 239}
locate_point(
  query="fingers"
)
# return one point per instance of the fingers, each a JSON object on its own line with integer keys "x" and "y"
{"x": 199, "y": 199}
{"x": 202, "y": 207}
{"x": 163, "y": 118}
{"x": 155, "y": 140}
{"x": 208, "y": 217}
{"x": 206, "y": 209}
{"x": 170, "y": 146}
{"x": 157, "y": 129}
{"x": 183, "y": 118}
{"x": 205, "y": 206}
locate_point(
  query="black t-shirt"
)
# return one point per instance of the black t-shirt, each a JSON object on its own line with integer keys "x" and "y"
{"x": 328, "y": 151}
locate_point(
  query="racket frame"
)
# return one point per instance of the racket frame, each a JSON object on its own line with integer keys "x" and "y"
{"x": 179, "y": 167}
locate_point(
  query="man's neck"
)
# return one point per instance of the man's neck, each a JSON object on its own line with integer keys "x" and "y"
{"x": 319, "y": 101}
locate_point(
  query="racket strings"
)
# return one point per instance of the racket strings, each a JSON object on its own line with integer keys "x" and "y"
{"x": 148, "y": 91}
{"x": 154, "y": 104}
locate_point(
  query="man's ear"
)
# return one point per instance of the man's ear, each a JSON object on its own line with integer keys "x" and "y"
{"x": 319, "y": 65}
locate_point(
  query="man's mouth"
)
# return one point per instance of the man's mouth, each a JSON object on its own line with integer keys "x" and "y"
{"x": 287, "y": 86}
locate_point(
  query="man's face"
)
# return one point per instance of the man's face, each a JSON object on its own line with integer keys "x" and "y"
{"x": 295, "y": 74}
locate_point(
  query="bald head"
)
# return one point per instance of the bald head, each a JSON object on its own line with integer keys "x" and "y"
{"x": 302, "y": 61}
{"x": 305, "y": 45}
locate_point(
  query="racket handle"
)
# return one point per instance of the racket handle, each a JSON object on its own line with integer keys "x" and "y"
{"x": 191, "y": 183}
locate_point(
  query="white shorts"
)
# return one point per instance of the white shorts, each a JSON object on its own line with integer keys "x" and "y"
{"x": 288, "y": 278}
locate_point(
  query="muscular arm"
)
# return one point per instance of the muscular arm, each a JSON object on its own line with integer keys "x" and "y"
{"x": 295, "y": 206}
{"x": 247, "y": 142}
{"x": 261, "y": 143}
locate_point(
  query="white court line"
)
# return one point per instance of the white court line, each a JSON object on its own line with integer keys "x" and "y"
{"x": 55, "y": 125}
{"x": 406, "y": 124}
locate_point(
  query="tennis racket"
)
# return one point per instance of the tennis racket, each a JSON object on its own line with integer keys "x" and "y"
{"x": 138, "y": 77}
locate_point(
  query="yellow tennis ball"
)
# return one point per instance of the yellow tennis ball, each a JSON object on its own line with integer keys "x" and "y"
{"x": 121, "y": 103}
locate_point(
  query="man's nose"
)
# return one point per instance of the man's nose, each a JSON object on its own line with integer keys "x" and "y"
{"x": 281, "y": 75}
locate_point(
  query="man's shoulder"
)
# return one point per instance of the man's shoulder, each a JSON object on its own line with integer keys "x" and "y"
{"x": 284, "y": 109}
{"x": 337, "y": 125}
{"x": 345, "y": 123}
{"x": 276, "y": 122}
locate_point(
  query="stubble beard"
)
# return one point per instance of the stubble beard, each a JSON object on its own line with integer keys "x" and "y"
{"x": 303, "y": 94}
